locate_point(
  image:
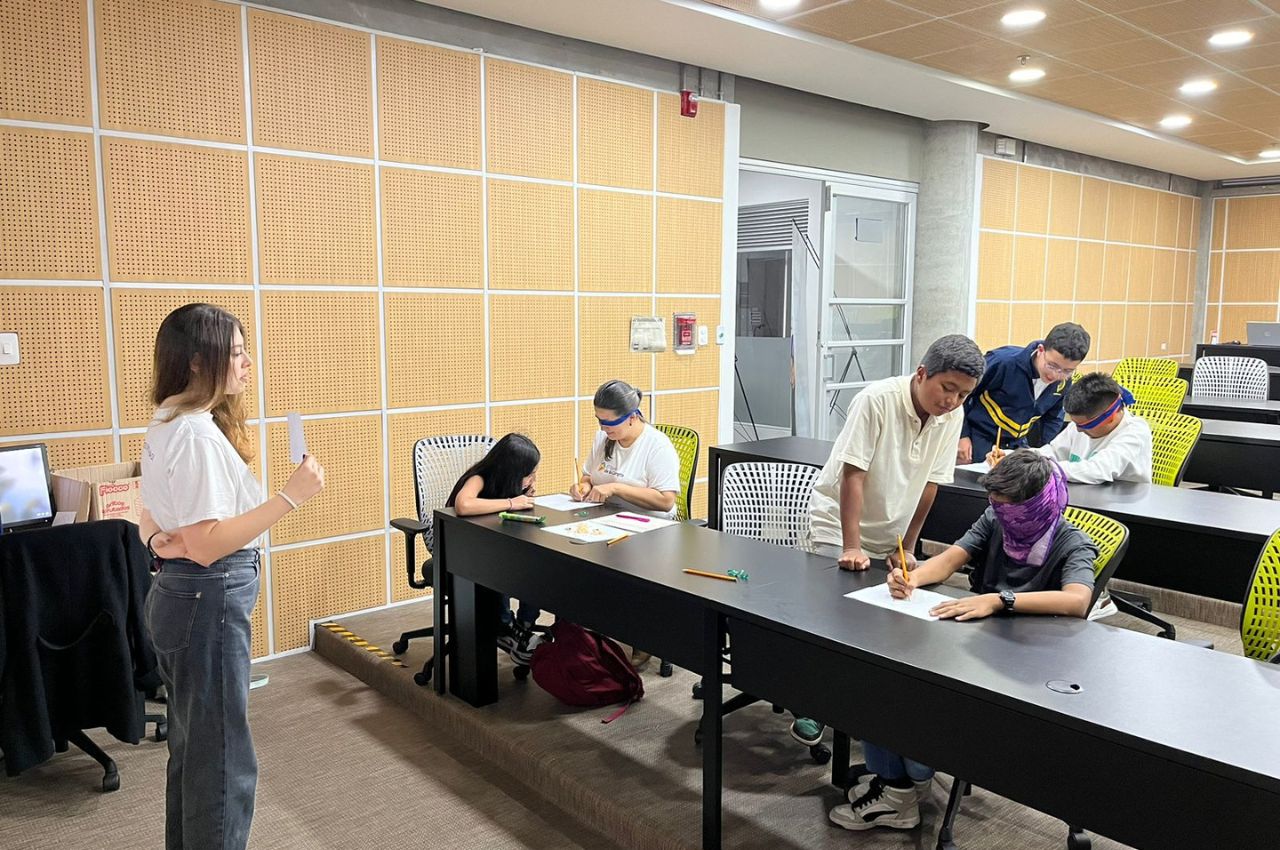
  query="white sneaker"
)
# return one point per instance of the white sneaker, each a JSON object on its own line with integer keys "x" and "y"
{"x": 882, "y": 805}
{"x": 860, "y": 788}
{"x": 1104, "y": 607}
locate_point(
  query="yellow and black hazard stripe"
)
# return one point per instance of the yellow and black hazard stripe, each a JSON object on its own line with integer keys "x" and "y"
{"x": 355, "y": 640}
{"x": 998, "y": 416}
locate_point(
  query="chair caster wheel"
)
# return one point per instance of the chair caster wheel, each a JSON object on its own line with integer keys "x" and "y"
{"x": 111, "y": 782}
{"x": 697, "y": 690}
{"x": 664, "y": 669}
{"x": 162, "y": 732}
{"x": 400, "y": 647}
{"x": 820, "y": 754}
{"x": 422, "y": 677}
{"x": 697, "y": 737}
{"x": 1078, "y": 841}
{"x": 521, "y": 673}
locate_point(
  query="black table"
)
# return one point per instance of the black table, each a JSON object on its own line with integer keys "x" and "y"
{"x": 1235, "y": 410}
{"x": 1269, "y": 353}
{"x": 1194, "y": 541}
{"x": 1273, "y": 390}
{"x": 1237, "y": 454}
{"x": 1156, "y": 735}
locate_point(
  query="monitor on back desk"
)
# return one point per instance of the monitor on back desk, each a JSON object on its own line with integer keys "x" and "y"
{"x": 1264, "y": 333}
{"x": 26, "y": 496}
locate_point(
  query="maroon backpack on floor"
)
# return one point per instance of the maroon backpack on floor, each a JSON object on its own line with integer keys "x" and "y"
{"x": 582, "y": 668}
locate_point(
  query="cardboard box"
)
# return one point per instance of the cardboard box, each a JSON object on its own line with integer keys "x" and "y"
{"x": 111, "y": 491}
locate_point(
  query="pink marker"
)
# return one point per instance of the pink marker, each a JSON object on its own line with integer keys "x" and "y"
{"x": 634, "y": 517}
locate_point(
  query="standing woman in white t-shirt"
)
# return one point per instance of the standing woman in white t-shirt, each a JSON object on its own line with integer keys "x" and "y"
{"x": 631, "y": 465}
{"x": 204, "y": 517}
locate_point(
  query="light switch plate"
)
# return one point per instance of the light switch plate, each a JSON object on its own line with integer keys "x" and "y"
{"x": 719, "y": 334}
{"x": 702, "y": 334}
{"x": 9, "y": 354}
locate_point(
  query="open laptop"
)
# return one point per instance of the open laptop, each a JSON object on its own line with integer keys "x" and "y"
{"x": 1264, "y": 333}
{"x": 26, "y": 488}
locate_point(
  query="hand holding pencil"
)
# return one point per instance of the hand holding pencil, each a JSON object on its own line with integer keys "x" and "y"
{"x": 900, "y": 581}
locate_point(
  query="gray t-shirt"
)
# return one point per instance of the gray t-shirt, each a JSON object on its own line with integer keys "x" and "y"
{"x": 1069, "y": 561}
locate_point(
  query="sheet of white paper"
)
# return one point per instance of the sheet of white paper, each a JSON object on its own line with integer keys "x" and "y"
{"x": 917, "y": 606}
{"x": 297, "y": 439}
{"x": 636, "y": 522}
{"x": 982, "y": 467}
{"x": 587, "y": 531}
{"x": 562, "y": 502}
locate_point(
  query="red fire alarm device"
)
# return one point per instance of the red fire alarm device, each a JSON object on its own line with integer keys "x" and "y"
{"x": 684, "y": 330}
{"x": 688, "y": 104}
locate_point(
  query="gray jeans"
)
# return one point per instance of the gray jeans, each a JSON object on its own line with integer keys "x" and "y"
{"x": 199, "y": 622}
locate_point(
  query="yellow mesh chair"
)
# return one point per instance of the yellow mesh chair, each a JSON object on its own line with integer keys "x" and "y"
{"x": 1138, "y": 368}
{"x": 686, "y": 443}
{"x": 1112, "y": 540}
{"x": 1260, "y": 619}
{"x": 1157, "y": 394}
{"x": 1173, "y": 436}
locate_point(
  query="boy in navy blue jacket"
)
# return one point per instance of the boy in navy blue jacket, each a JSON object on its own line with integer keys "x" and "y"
{"x": 1020, "y": 387}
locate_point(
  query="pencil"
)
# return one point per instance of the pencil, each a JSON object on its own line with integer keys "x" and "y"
{"x": 902, "y": 559}
{"x": 708, "y": 575}
{"x": 616, "y": 539}
{"x": 999, "y": 434}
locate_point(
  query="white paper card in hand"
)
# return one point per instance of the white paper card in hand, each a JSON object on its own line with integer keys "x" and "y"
{"x": 562, "y": 502}
{"x": 297, "y": 439}
{"x": 636, "y": 522}
{"x": 918, "y": 605}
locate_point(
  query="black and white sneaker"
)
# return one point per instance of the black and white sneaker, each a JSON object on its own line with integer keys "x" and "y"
{"x": 863, "y": 783}
{"x": 882, "y": 805}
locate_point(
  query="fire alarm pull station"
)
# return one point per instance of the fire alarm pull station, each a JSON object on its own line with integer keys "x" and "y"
{"x": 688, "y": 104}
{"x": 685, "y": 328}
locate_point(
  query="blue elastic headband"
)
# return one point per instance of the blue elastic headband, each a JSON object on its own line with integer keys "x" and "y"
{"x": 1123, "y": 400}
{"x": 614, "y": 423}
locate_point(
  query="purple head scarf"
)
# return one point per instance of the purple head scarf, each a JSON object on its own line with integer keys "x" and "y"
{"x": 1029, "y": 527}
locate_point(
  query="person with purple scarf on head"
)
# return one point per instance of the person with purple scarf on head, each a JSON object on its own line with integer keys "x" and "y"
{"x": 1027, "y": 559}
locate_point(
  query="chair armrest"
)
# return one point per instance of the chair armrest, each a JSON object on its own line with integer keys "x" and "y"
{"x": 412, "y": 528}
{"x": 409, "y": 526}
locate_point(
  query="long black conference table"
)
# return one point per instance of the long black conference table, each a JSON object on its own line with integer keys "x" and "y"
{"x": 1150, "y": 742}
{"x": 1232, "y": 409}
{"x": 1193, "y": 541}
{"x": 1237, "y": 454}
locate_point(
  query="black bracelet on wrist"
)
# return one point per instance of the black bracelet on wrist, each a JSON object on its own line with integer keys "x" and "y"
{"x": 149, "y": 539}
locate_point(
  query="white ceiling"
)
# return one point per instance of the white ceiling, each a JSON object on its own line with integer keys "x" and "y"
{"x": 712, "y": 37}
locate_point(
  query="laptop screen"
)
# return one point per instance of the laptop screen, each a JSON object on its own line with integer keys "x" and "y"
{"x": 25, "y": 497}
{"x": 1264, "y": 333}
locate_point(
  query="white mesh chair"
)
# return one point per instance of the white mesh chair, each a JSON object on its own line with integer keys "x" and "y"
{"x": 767, "y": 502}
{"x": 438, "y": 463}
{"x": 1244, "y": 378}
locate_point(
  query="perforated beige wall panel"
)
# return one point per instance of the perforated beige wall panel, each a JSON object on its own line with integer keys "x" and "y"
{"x": 1253, "y": 222}
{"x": 319, "y": 581}
{"x": 405, "y": 429}
{"x": 435, "y": 349}
{"x": 529, "y": 336}
{"x": 1033, "y": 200}
{"x": 61, "y": 382}
{"x": 1026, "y": 321}
{"x": 431, "y": 229}
{"x": 1167, "y": 219}
{"x": 1028, "y": 268}
{"x": 1184, "y": 274}
{"x": 588, "y": 425}
{"x": 995, "y": 265}
{"x": 73, "y": 452}
{"x": 1144, "y": 216}
{"x": 550, "y": 426}
{"x": 1236, "y": 318}
{"x": 1090, "y": 258}
{"x": 176, "y": 212}
{"x": 1137, "y": 324}
{"x": 529, "y": 120}
{"x": 690, "y": 371}
{"x": 1215, "y": 276}
{"x": 350, "y": 450}
{"x": 1060, "y": 270}
{"x": 259, "y": 645}
{"x": 315, "y": 221}
{"x": 1189, "y": 223}
{"x": 428, "y": 104}
{"x": 530, "y": 236}
{"x": 1141, "y": 265}
{"x": 999, "y": 191}
{"x": 48, "y": 205}
{"x": 615, "y": 242}
{"x": 1162, "y": 275}
{"x": 1115, "y": 272}
{"x": 698, "y": 509}
{"x": 321, "y": 352}
{"x": 1120, "y": 212}
{"x": 699, "y": 411}
{"x": 400, "y": 589}
{"x": 604, "y": 340}
{"x": 1212, "y": 316}
{"x": 312, "y": 85}
{"x": 44, "y": 61}
{"x": 991, "y": 327}
{"x": 1252, "y": 276}
{"x": 615, "y": 135}
{"x": 1093, "y": 208}
{"x": 690, "y": 150}
{"x": 171, "y": 67}
{"x": 1089, "y": 316}
{"x": 689, "y": 246}
{"x": 1160, "y": 332}
{"x": 136, "y": 315}
{"x": 1110, "y": 337}
{"x": 1056, "y": 313}
{"x": 1219, "y": 225}
{"x": 1064, "y": 203}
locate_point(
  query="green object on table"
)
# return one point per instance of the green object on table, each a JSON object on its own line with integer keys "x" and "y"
{"x": 740, "y": 575}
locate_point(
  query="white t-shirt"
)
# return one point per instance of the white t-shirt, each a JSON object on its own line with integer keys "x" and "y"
{"x": 191, "y": 473}
{"x": 1122, "y": 455}
{"x": 882, "y": 435}
{"x": 651, "y": 461}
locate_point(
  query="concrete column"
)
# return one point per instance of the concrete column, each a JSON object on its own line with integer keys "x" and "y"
{"x": 945, "y": 225}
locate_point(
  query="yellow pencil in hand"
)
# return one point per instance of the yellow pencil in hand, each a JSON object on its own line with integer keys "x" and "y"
{"x": 902, "y": 559}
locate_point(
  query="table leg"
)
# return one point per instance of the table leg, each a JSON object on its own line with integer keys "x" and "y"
{"x": 473, "y": 662}
{"x": 839, "y": 758}
{"x": 439, "y": 572}
{"x": 712, "y": 726}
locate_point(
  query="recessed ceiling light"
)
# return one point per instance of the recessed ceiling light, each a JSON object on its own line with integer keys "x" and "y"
{"x": 1175, "y": 122}
{"x": 1198, "y": 86}
{"x": 1026, "y": 75}
{"x": 1022, "y": 18}
{"x": 1273, "y": 153}
{"x": 779, "y": 5}
{"x": 1230, "y": 38}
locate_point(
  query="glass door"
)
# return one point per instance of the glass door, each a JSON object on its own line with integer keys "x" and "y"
{"x": 868, "y": 249}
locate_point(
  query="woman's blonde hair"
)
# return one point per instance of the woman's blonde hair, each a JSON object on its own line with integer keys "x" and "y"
{"x": 192, "y": 359}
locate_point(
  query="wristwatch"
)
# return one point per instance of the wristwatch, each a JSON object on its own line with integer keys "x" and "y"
{"x": 1007, "y": 598}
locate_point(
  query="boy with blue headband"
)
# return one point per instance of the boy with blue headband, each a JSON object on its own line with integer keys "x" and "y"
{"x": 1103, "y": 442}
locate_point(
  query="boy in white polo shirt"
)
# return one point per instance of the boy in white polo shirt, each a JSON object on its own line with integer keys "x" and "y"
{"x": 896, "y": 447}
